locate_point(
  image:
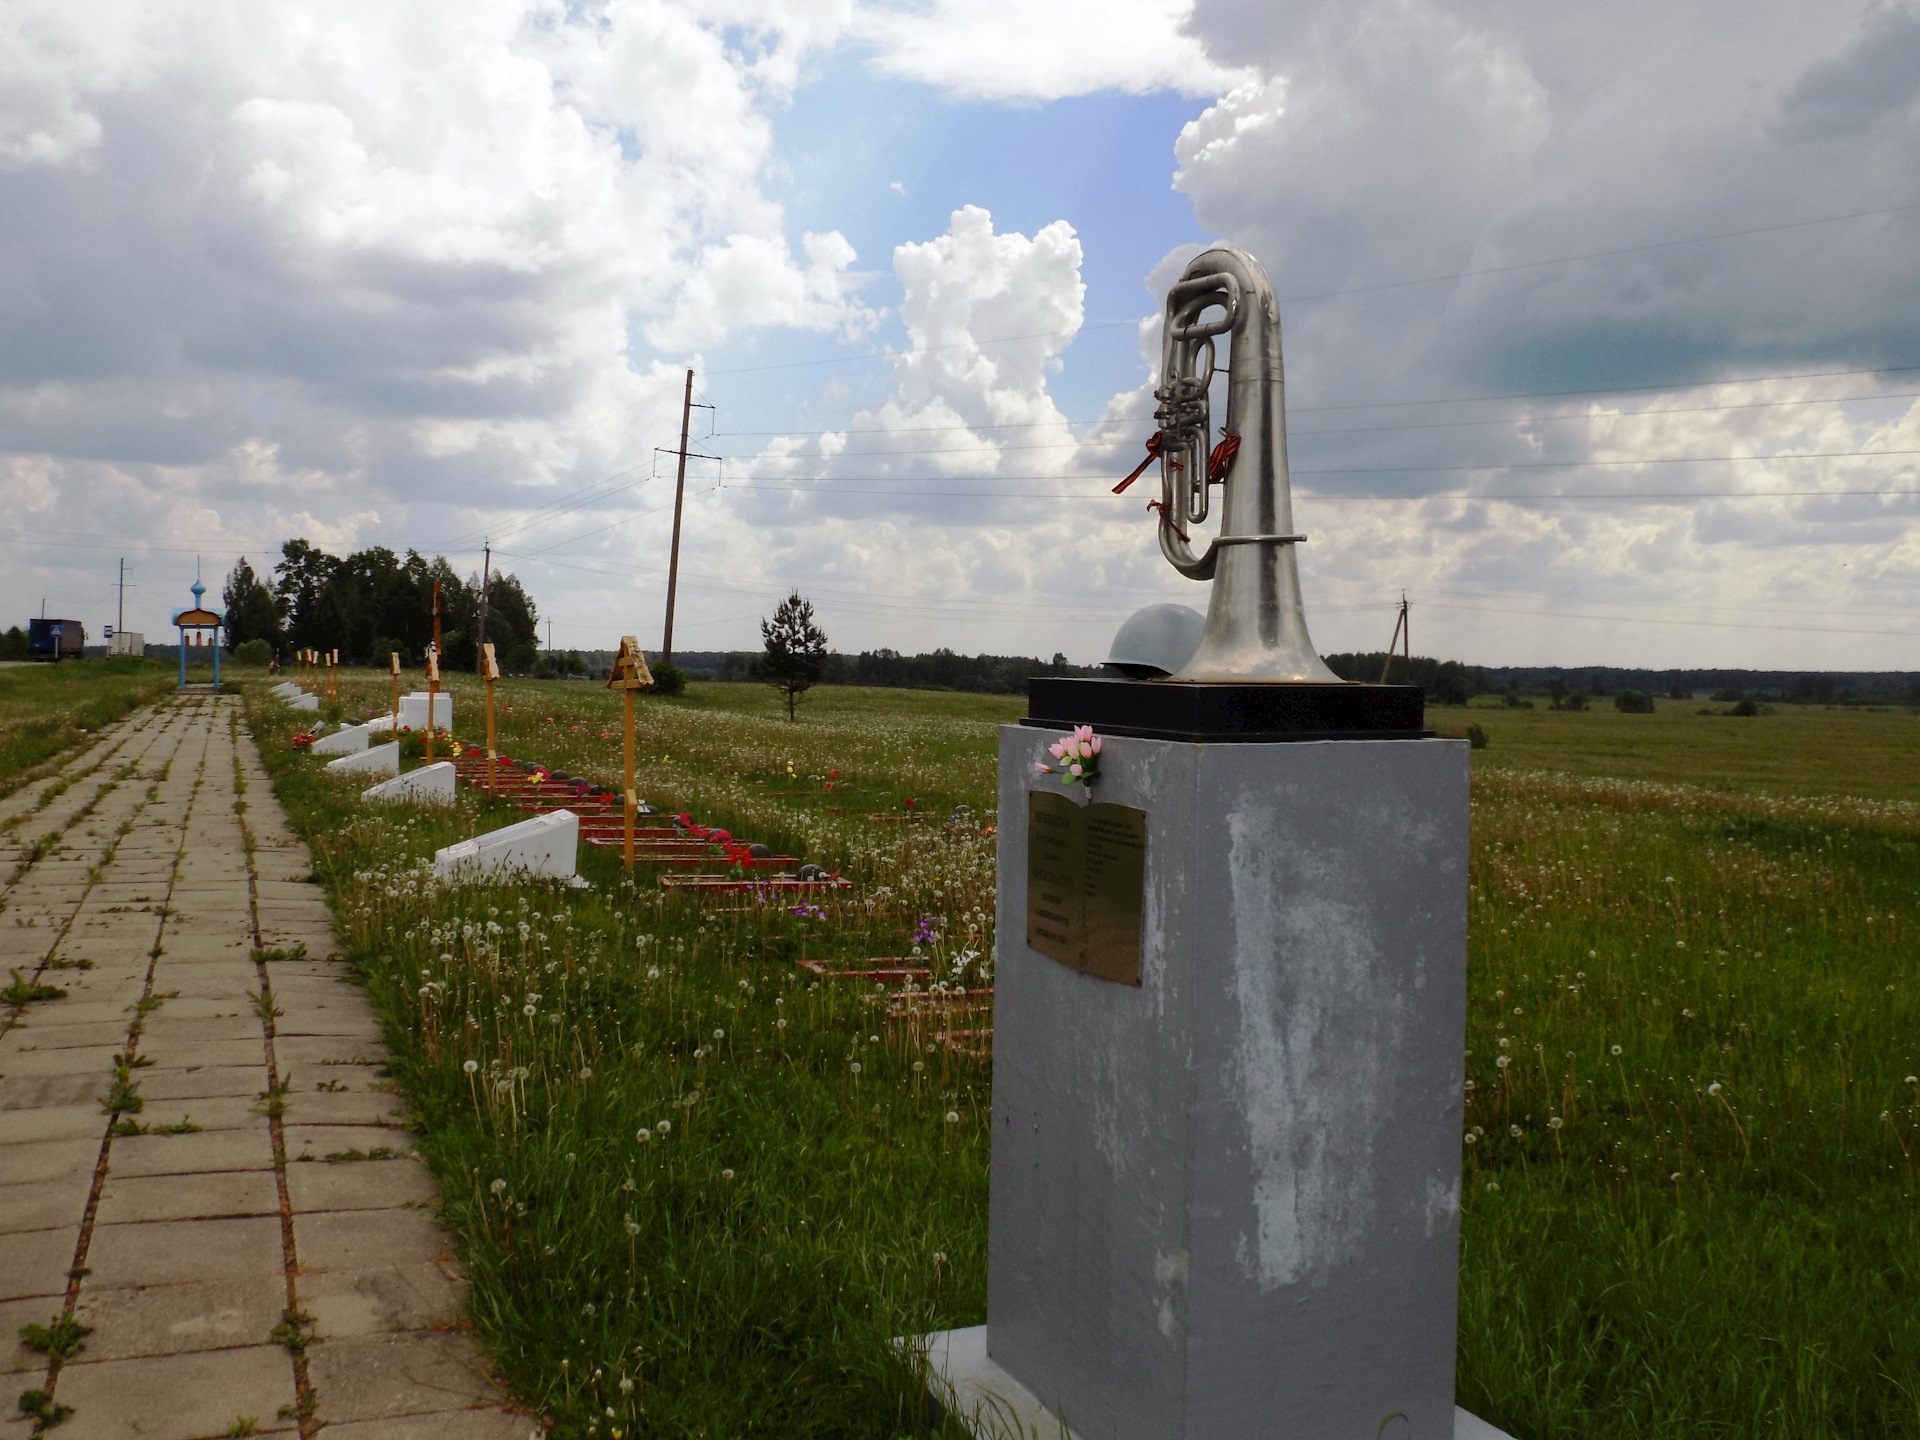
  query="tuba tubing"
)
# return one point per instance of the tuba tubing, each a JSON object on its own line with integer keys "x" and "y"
{"x": 1256, "y": 627}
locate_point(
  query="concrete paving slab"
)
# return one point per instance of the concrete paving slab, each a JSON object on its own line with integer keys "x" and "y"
{"x": 363, "y": 1107}
{"x": 488, "y": 1424}
{"x": 31, "y": 1092}
{"x": 171, "y": 1252}
{"x": 376, "y": 1377}
{"x": 175, "y": 1319}
{"x": 36, "y": 1262}
{"x": 33, "y": 1036}
{"x": 195, "y": 1082}
{"x": 55, "y": 1122}
{"x": 310, "y": 1051}
{"x": 44, "y": 1160}
{"x": 320, "y": 1141}
{"x": 44, "y": 1204}
{"x": 362, "y": 1185}
{"x": 175, "y": 1397}
{"x": 142, "y": 1199}
{"x": 409, "y": 1296}
{"x": 364, "y": 1241}
{"x": 206, "y": 1153}
{"x": 175, "y": 1054}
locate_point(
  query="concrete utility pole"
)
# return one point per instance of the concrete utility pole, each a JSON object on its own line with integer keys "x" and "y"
{"x": 120, "y": 622}
{"x": 679, "y": 499}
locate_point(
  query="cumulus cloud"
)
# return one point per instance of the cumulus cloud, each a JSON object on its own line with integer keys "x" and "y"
{"x": 402, "y": 252}
{"x": 1398, "y": 141}
{"x": 1003, "y": 50}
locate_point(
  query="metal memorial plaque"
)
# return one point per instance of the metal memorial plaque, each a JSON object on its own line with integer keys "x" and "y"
{"x": 1086, "y": 884}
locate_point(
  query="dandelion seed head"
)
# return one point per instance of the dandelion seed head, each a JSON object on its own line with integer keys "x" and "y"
{"x": 471, "y": 1066}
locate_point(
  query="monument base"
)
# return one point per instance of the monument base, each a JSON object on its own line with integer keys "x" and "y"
{"x": 992, "y": 1404}
{"x": 1220, "y": 711}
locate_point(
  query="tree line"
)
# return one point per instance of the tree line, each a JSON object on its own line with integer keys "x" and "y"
{"x": 373, "y": 602}
{"x": 889, "y": 669}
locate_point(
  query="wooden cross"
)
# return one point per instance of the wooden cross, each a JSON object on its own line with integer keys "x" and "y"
{"x": 630, "y": 673}
{"x": 433, "y": 670}
{"x": 490, "y": 672}
{"x": 433, "y": 691}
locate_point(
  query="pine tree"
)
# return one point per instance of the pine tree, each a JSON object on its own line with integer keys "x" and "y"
{"x": 796, "y": 649}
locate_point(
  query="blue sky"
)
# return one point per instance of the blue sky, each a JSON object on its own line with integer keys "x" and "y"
{"x": 1100, "y": 162}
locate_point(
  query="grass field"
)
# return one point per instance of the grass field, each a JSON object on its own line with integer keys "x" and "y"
{"x": 46, "y": 710}
{"x": 1691, "y": 1206}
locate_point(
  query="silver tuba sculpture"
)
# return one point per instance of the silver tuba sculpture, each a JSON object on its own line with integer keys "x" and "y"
{"x": 1256, "y": 630}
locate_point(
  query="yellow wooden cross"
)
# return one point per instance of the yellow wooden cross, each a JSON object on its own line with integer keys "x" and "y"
{"x": 490, "y": 672}
{"x": 630, "y": 673}
{"x": 433, "y": 681}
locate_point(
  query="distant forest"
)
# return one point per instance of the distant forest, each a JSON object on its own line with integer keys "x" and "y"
{"x": 1447, "y": 682}
{"x": 372, "y": 603}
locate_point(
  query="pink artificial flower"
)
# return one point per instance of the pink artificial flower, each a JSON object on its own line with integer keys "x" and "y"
{"x": 1058, "y": 749}
{"x": 1093, "y": 746}
{"x": 1040, "y": 769}
{"x": 1083, "y": 732}
{"x": 1074, "y": 770}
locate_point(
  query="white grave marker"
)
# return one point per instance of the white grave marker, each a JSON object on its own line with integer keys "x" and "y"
{"x": 545, "y": 845}
{"x": 377, "y": 760}
{"x": 348, "y": 741}
{"x": 429, "y": 785}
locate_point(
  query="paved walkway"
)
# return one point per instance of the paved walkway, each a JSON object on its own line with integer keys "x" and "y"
{"x": 253, "y": 1266}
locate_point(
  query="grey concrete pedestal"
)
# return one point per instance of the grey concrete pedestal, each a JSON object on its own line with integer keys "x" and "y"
{"x": 995, "y": 1406}
{"x": 1226, "y": 1202}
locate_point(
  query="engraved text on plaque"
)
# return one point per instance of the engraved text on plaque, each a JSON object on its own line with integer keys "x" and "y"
{"x": 1086, "y": 884}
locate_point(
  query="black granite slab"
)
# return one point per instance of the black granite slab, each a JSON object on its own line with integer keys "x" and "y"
{"x": 1226, "y": 712}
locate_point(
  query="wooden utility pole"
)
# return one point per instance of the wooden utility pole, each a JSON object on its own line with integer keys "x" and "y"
{"x": 333, "y": 675}
{"x": 1403, "y": 636}
{"x": 490, "y": 672}
{"x": 629, "y": 674}
{"x": 393, "y": 669}
{"x": 679, "y": 500}
{"x": 486, "y": 567}
{"x": 433, "y": 672}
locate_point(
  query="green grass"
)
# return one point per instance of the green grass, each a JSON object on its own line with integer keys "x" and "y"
{"x": 47, "y": 710}
{"x": 800, "y": 1196}
{"x": 1711, "y": 1231}
{"x": 1795, "y": 749}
